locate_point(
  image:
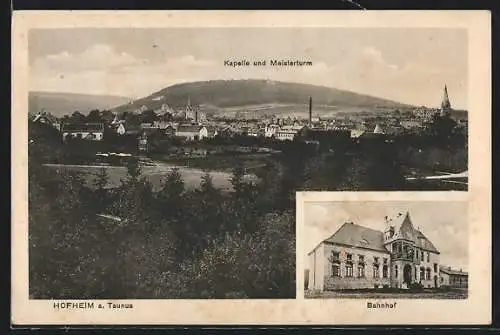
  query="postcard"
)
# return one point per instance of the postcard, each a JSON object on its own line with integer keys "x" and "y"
{"x": 394, "y": 257}
{"x": 251, "y": 167}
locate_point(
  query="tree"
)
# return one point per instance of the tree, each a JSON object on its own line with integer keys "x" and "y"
{"x": 77, "y": 117}
{"x": 101, "y": 194}
{"x": 94, "y": 116}
{"x": 170, "y": 201}
{"x": 374, "y": 170}
{"x": 237, "y": 179}
{"x": 133, "y": 170}
{"x": 148, "y": 116}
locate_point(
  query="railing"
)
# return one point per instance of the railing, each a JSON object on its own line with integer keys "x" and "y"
{"x": 402, "y": 255}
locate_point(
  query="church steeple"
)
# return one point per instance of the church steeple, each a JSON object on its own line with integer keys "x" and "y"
{"x": 445, "y": 104}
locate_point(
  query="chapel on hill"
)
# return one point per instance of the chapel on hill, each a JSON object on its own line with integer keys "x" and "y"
{"x": 360, "y": 257}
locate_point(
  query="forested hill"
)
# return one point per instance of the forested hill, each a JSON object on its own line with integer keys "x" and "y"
{"x": 234, "y": 93}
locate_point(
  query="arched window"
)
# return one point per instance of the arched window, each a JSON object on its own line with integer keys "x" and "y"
{"x": 395, "y": 271}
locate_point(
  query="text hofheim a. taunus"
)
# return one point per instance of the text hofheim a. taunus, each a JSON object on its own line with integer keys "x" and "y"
{"x": 264, "y": 62}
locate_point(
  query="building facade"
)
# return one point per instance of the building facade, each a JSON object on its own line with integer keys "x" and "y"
{"x": 449, "y": 277}
{"x": 192, "y": 132}
{"x": 360, "y": 257}
{"x": 85, "y": 131}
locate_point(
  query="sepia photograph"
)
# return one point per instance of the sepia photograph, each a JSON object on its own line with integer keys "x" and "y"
{"x": 386, "y": 250}
{"x": 168, "y": 153}
{"x": 161, "y": 155}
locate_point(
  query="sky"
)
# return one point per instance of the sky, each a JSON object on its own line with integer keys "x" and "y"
{"x": 406, "y": 65}
{"x": 443, "y": 223}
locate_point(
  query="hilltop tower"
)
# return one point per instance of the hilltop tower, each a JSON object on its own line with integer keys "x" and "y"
{"x": 445, "y": 104}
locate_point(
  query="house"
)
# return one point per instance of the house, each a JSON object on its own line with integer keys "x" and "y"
{"x": 356, "y": 133}
{"x": 47, "y": 118}
{"x": 255, "y": 132}
{"x": 120, "y": 129}
{"x": 212, "y": 132}
{"x": 84, "y": 131}
{"x": 160, "y": 124}
{"x": 453, "y": 278}
{"x": 191, "y": 132}
{"x": 360, "y": 257}
{"x": 270, "y": 130}
{"x": 290, "y": 132}
{"x": 143, "y": 142}
{"x": 169, "y": 130}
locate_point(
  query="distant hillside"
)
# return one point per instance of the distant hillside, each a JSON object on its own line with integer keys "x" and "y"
{"x": 227, "y": 94}
{"x": 59, "y": 104}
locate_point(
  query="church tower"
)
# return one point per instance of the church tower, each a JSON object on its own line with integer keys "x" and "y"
{"x": 445, "y": 104}
{"x": 189, "y": 112}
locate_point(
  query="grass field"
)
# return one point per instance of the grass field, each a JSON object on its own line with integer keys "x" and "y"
{"x": 373, "y": 294}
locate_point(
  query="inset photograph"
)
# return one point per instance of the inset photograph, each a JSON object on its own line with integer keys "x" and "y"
{"x": 386, "y": 249}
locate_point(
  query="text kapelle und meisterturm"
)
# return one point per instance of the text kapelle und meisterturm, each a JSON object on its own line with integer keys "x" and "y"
{"x": 270, "y": 62}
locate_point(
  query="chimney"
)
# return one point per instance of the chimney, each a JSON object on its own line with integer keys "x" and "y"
{"x": 196, "y": 115}
{"x": 310, "y": 111}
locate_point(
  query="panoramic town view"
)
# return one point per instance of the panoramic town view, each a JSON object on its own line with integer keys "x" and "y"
{"x": 161, "y": 173}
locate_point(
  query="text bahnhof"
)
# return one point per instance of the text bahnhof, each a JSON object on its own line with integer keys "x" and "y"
{"x": 272, "y": 62}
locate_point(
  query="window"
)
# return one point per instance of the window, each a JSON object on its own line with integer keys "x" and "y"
{"x": 421, "y": 256}
{"x": 428, "y": 274}
{"x": 335, "y": 270}
{"x": 384, "y": 271}
{"x": 335, "y": 257}
{"x": 395, "y": 271}
{"x": 348, "y": 270}
{"x": 422, "y": 273}
{"x": 385, "y": 261}
{"x": 376, "y": 273}
{"x": 428, "y": 256}
{"x": 349, "y": 257}
{"x": 416, "y": 254}
{"x": 375, "y": 260}
{"x": 442, "y": 279}
{"x": 361, "y": 271}
{"x": 435, "y": 267}
{"x": 361, "y": 259}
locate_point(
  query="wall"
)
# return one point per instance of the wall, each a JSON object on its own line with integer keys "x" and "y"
{"x": 316, "y": 268}
{"x": 445, "y": 279}
{"x": 95, "y": 136}
{"x": 343, "y": 282}
{"x": 433, "y": 258}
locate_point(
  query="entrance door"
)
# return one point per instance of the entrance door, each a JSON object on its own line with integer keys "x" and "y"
{"x": 407, "y": 274}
